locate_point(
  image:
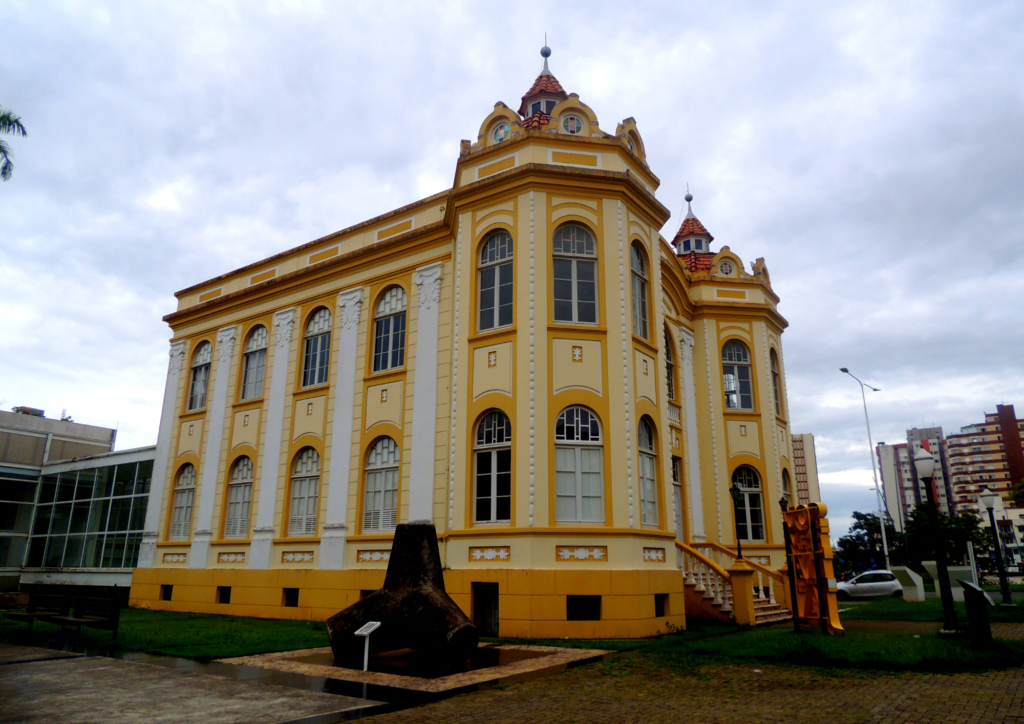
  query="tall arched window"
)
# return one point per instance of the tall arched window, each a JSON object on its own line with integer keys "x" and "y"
{"x": 775, "y": 382}
{"x": 255, "y": 363}
{"x": 739, "y": 392}
{"x": 579, "y": 454}
{"x": 389, "y": 331}
{"x": 749, "y": 516}
{"x": 638, "y": 274}
{"x": 648, "y": 474}
{"x": 236, "y": 520}
{"x": 305, "y": 493}
{"x": 670, "y": 368}
{"x": 493, "y": 452}
{"x": 575, "y": 275}
{"x": 496, "y": 281}
{"x": 787, "y": 490}
{"x": 318, "y": 348}
{"x": 200, "y": 376}
{"x": 181, "y": 509}
{"x": 380, "y": 504}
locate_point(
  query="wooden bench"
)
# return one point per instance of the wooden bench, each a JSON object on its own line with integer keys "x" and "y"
{"x": 42, "y": 606}
{"x": 102, "y": 612}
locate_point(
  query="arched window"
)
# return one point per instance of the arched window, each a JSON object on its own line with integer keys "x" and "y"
{"x": 318, "y": 348}
{"x": 575, "y": 275}
{"x": 638, "y": 274}
{"x": 181, "y": 510}
{"x": 200, "y": 376}
{"x": 389, "y": 331}
{"x": 775, "y": 382}
{"x": 380, "y": 505}
{"x": 739, "y": 392}
{"x": 749, "y": 516}
{"x": 255, "y": 363}
{"x": 496, "y": 281}
{"x": 786, "y": 489}
{"x": 648, "y": 474}
{"x": 236, "y": 521}
{"x": 579, "y": 481}
{"x": 305, "y": 493}
{"x": 670, "y": 368}
{"x": 493, "y": 452}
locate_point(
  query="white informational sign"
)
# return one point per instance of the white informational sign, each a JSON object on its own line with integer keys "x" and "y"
{"x": 368, "y": 628}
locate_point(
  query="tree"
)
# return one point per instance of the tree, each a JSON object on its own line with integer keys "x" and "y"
{"x": 861, "y": 549}
{"x": 955, "y": 531}
{"x": 9, "y": 123}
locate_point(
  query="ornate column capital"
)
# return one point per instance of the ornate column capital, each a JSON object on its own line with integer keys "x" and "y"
{"x": 350, "y": 302}
{"x": 177, "y": 360}
{"x": 428, "y": 279}
{"x": 284, "y": 321}
{"x": 686, "y": 342}
{"x": 226, "y": 343}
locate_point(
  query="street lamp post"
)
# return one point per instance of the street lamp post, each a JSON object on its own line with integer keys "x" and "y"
{"x": 989, "y": 499}
{"x": 737, "y": 501}
{"x": 882, "y": 511}
{"x": 925, "y": 465}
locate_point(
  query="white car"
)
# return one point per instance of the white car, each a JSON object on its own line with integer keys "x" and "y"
{"x": 869, "y": 585}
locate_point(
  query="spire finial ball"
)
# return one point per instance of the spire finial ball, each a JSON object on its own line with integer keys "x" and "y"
{"x": 545, "y": 52}
{"x": 688, "y": 198}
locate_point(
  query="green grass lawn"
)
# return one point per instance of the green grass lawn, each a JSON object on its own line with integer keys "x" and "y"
{"x": 189, "y": 635}
{"x": 896, "y": 609}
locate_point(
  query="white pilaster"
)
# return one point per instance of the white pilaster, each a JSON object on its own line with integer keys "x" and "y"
{"x": 200, "y": 551}
{"x": 147, "y": 551}
{"x": 270, "y": 455}
{"x": 332, "y": 543}
{"x": 690, "y": 438}
{"x": 424, "y": 400}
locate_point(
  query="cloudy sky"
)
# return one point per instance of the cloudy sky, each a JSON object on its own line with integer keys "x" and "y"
{"x": 872, "y": 153}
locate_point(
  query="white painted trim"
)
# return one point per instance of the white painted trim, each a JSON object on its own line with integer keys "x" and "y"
{"x": 147, "y": 550}
{"x": 686, "y": 342}
{"x": 424, "y": 401}
{"x": 332, "y": 544}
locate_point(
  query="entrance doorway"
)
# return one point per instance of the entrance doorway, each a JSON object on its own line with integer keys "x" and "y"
{"x": 485, "y": 608}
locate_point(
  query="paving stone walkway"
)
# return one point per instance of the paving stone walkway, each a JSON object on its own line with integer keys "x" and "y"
{"x": 601, "y": 693}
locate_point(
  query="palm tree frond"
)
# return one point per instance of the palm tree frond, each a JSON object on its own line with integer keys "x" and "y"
{"x": 7, "y": 166}
{"x": 10, "y": 123}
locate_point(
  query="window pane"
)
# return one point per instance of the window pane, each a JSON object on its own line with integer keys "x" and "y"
{"x": 398, "y": 341}
{"x": 98, "y": 516}
{"x": 54, "y": 552}
{"x": 66, "y": 489}
{"x": 144, "y": 477}
{"x": 41, "y": 526}
{"x": 746, "y": 390}
{"x": 61, "y": 519}
{"x": 73, "y": 551}
{"x": 88, "y": 478}
{"x": 381, "y": 344}
{"x": 124, "y": 479}
{"x": 49, "y": 489}
{"x": 92, "y": 552}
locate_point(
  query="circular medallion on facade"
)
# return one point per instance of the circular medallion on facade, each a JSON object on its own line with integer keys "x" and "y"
{"x": 572, "y": 125}
{"x": 500, "y": 132}
{"x": 725, "y": 268}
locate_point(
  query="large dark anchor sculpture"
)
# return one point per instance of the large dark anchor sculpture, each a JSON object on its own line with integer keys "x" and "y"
{"x": 413, "y": 608}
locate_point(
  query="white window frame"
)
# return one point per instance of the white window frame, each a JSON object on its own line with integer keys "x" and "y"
{"x": 184, "y": 496}
{"x": 254, "y": 363}
{"x": 733, "y": 370}
{"x": 305, "y": 493}
{"x": 316, "y": 358}
{"x": 238, "y": 499}
{"x": 670, "y": 368}
{"x": 580, "y": 450}
{"x": 638, "y": 288}
{"x": 200, "y": 376}
{"x": 576, "y": 257}
{"x": 773, "y": 359}
{"x": 750, "y": 483}
{"x": 380, "y": 493}
{"x": 493, "y": 436}
{"x": 391, "y": 308}
{"x": 648, "y": 474}
{"x": 500, "y": 242}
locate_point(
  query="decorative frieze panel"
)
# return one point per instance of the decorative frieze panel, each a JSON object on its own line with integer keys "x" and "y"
{"x": 384, "y": 403}
{"x": 377, "y": 556}
{"x": 576, "y": 364}
{"x": 490, "y": 553}
{"x": 231, "y": 557}
{"x": 654, "y": 555}
{"x": 189, "y": 437}
{"x": 492, "y": 369}
{"x": 297, "y": 557}
{"x": 175, "y": 557}
{"x": 578, "y": 553}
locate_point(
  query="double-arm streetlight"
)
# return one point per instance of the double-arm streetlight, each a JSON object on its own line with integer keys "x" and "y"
{"x": 871, "y": 451}
{"x": 988, "y": 498}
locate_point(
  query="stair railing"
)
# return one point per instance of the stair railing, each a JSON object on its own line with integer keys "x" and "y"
{"x": 707, "y": 576}
{"x": 725, "y": 558}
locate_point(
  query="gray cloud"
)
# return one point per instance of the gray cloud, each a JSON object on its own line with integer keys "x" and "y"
{"x": 870, "y": 152}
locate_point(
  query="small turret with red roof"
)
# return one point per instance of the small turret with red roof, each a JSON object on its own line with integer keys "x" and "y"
{"x": 693, "y": 242}
{"x": 545, "y": 93}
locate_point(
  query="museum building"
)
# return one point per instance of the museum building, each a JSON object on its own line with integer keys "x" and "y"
{"x": 588, "y": 413}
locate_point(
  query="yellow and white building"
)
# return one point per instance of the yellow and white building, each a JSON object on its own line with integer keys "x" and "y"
{"x": 521, "y": 359}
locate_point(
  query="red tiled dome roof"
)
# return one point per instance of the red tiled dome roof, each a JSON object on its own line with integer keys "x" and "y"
{"x": 691, "y": 226}
{"x": 545, "y": 85}
{"x": 698, "y": 260}
{"x": 537, "y": 120}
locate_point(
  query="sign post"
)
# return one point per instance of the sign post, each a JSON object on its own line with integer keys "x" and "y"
{"x": 365, "y": 632}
